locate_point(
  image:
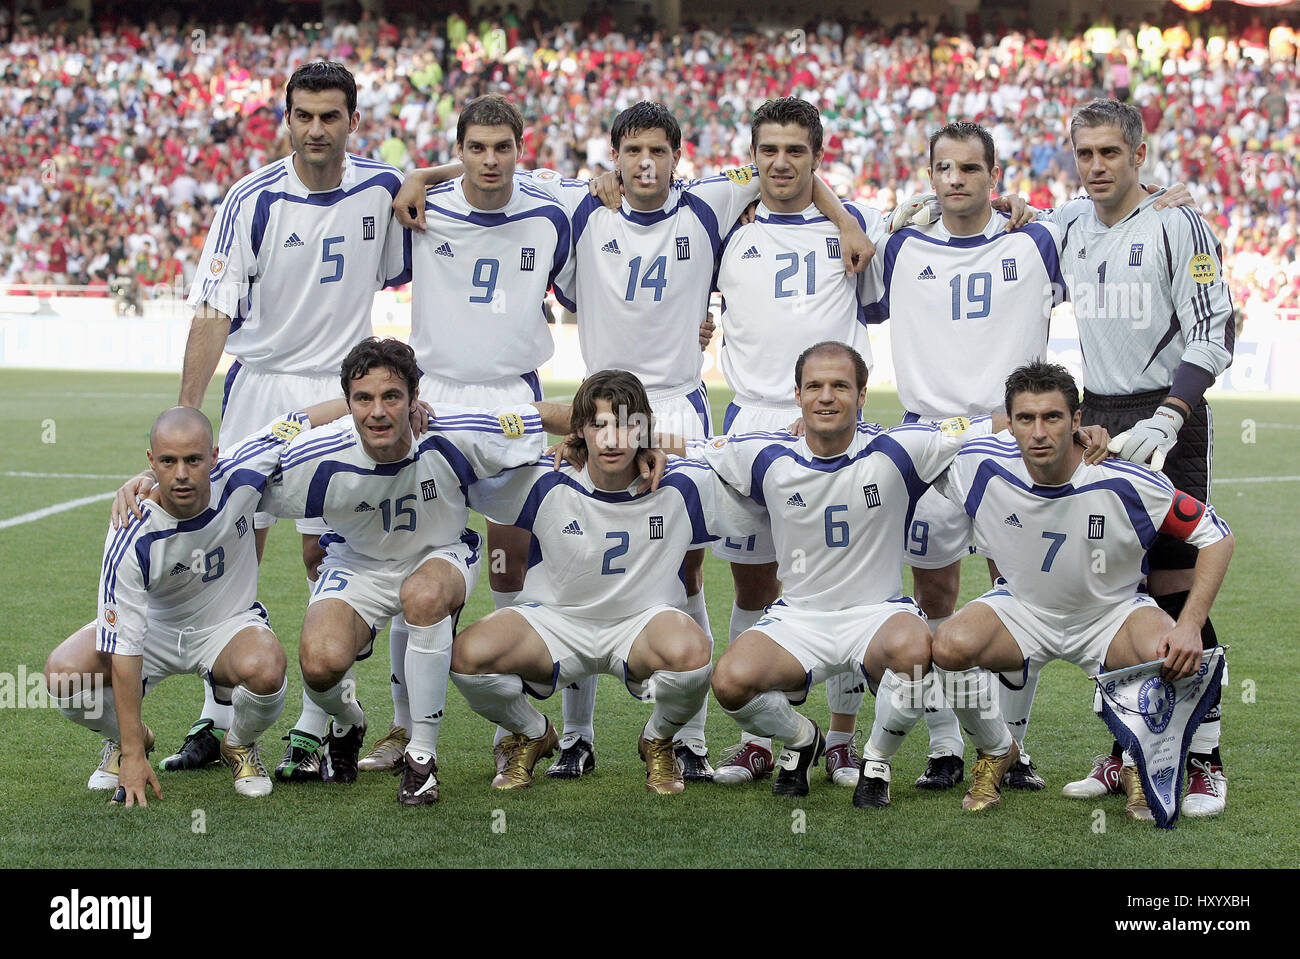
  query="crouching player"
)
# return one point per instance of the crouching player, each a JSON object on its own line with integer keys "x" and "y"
{"x": 177, "y": 594}
{"x": 840, "y": 499}
{"x": 1070, "y": 540}
{"x": 396, "y": 505}
{"x": 604, "y": 587}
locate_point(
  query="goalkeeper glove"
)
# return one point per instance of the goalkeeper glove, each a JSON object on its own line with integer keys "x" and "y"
{"x": 920, "y": 209}
{"x": 1151, "y": 439}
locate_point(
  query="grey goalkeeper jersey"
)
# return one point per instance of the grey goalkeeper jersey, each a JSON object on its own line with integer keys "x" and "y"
{"x": 1149, "y": 296}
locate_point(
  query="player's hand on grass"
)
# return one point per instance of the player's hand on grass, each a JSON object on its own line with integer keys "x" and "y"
{"x": 421, "y": 417}
{"x": 707, "y": 329}
{"x": 134, "y": 773}
{"x": 408, "y": 205}
{"x": 1150, "y": 440}
{"x": 1180, "y": 648}
{"x": 921, "y": 210}
{"x": 796, "y": 427}
{"x": 126, "y": 504}
{"x": 1095, "y": 441}
{"x": 856, "y": 248}
{"x": 609, "y": 187}
{"x": 1176, "y": 195}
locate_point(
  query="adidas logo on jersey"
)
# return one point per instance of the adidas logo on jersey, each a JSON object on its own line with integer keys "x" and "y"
{"x": 611, "y": 247}
{"x": 445, "y": 250}
{"x": 796, "y": 500}
{"x": 926, "y": 274}
{"x": 751, "y": 254}
{"x": 573, "y": 529}
{"x": 364, "y": 507}
{"x": 179, "y": 568}
{"x": 293, "y": 241}
{"x": 1013, "y": 520}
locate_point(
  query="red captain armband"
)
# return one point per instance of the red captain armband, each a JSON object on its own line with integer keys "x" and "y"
{"x": 1184, "y": 514}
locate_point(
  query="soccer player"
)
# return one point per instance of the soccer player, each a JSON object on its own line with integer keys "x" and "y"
{"x": 397, "y": 511}
{"x": 491, "y": 249}
{"x": 784, "y": 288}
{"x": 285, "y": 284}
{"x": 605, "y": 590}
{"x": 1156, "y": 328}
{"x": 839, "y": 499}
{"x": 1044, "y": 515}
{"x": 178, "y": 594}
{"x": 958, "y": 288}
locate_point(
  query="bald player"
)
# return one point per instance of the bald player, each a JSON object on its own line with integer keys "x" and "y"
{"x": 178, "y": 594}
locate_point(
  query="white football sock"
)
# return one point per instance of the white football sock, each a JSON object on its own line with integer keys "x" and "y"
{"x": 339, "y": 701}
{"x": 93, "y": 707}
{"x": 899, "y": 704}
{"x": 312, "y": 719}
{"x": 255, "y": 713}
{"x": 221, "y": 714}
{"x": 971, "y": 694}
{"x": 579, "y": 708}
{"x": 698, "y": 611}
{"x": 428, "y": 660}
{"x": 499, "y": 698}
{"x": 679, "y": 698}
{"x": 504, "y": 599}
{"x": 693, "y": 730}
{"x": 940, "y": 720}
{"x": 836, "y": 738}
{"x": 844, "y": 692}
{"x": 1016, "y": 704}
{"x": 397, "y": 639}
{"x": 770, "y": 714}
{"x": 742, "y": 620}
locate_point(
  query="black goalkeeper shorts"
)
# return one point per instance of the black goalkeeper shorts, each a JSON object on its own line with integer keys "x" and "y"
{"x": 1188, "y": 465}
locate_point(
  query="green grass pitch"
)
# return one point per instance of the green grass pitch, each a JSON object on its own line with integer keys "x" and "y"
{"x": 57, "y": 425}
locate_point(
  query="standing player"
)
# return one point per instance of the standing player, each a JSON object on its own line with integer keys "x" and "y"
{"x": 480, "y": 269}
{"x": 839, "y": 499}
{"x": 1043, "y": 514}
{"x": 285, "y": 283}
{"x": 605, "y": 589}
{"x": 397, "y": 509}
{"x": 959, "y": 288}
{"x": 1156, "y": 328}
{"x": 178, "y": 594}
{"x": 784, "y": 288}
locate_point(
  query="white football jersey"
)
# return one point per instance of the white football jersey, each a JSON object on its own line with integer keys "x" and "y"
{"x": 605, "y": 554}
{"x": 839, "y": 524}
{"x": 1148, "y": 295}
{"x": 400, "y": 511}
{"x": 783, "y": 289}
{"x": 174, "y": 574}
{"x": 966, "y": 310}
{"x": 479, "y": 282}
{"x": 643, "y": 279}
{"x": 1073, "y": 547}
{"x": 296, "y": 271}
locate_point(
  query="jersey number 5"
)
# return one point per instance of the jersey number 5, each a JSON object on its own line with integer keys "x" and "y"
{"x": 333, "y": 259}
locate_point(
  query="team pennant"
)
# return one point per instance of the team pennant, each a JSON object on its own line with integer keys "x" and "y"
{"x": 1154, "y": 720}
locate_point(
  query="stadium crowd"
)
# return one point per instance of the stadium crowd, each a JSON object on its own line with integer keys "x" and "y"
{"x": 117, "y": 144}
